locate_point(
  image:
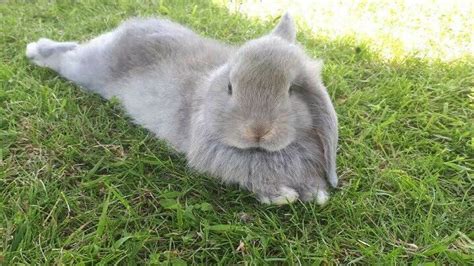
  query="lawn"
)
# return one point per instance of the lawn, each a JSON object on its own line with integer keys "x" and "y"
{"x": 79, "y": 183}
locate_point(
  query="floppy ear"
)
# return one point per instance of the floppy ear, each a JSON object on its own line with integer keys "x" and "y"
{"x": 325, "y": 119}
{"x": 286, "y": 28}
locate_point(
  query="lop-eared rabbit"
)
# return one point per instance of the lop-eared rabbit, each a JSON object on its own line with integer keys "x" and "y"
{"x": 257, "y": 115}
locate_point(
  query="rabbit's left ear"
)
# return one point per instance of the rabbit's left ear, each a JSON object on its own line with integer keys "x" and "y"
{"x": 325, "y": 119}
{"x": 286, "y": 28}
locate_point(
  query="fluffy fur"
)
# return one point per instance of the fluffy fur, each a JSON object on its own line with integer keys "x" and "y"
{"x": 256, "y": 115}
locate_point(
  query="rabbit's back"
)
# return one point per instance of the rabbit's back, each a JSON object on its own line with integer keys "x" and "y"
{"x": 140, "y": 43}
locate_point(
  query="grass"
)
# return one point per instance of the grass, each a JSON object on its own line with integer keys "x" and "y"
{"x": 395, "y": 28}
{"x": 80, "y": 184}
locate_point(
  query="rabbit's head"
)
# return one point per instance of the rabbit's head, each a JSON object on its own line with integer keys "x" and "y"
{"x": 257, "y": 99}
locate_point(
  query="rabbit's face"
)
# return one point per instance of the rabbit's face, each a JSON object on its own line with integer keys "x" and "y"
{"x": 254, "y": 101}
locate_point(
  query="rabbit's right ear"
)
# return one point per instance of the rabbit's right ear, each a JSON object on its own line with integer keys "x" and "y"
{"x": 286, "y": 28}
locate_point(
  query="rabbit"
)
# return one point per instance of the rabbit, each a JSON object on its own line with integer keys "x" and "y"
{"x": 257, "y": 115}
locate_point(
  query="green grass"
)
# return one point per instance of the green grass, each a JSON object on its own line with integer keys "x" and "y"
{"x": 80, "y": 183}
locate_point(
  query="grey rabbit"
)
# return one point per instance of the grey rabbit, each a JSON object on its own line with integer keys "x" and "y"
{"x": 257, "y": 115}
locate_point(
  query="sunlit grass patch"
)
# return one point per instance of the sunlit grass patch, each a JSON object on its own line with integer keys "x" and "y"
{"x": 433, "y": 29}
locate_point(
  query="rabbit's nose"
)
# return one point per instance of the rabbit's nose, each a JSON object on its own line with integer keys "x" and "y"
{"x": 256, "y": 133}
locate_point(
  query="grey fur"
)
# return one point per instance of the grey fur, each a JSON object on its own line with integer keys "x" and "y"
{"x": 278, "y": 143}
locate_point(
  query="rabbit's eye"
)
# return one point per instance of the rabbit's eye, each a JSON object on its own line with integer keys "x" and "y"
{"x": 229, "y": 89}
{"x": 293, "y": 88}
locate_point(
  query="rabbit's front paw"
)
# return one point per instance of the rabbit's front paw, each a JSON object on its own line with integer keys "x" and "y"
{"x": 286, "y": 195}
{"x": 318, "y": 194}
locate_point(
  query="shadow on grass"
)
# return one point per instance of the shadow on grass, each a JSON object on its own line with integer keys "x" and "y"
{"x": 83, "y": 184}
